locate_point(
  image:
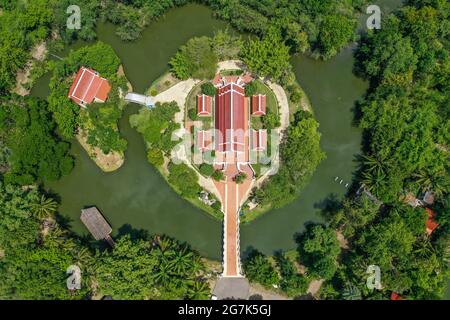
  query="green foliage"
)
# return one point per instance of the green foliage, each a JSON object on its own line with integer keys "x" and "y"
{"x": 218, "y": 175}
{"x": 292, "y": 283}
{"x": 226, "y": 45}
{"x": 102, "y": 58}
{"x": 192, "y": 113}
{"x": 271, "y": 120}
{"x": 155, "y": 157}
{"x": 90, "y": 11}
{"x": 251, "y": 89}
{"x": 240, "y": 178}
{"x": 34, "y": 264}
{"x": 206, "y": 169}
{"x": 37, "y": 154}
{"x": 21, "y": 27}
{"x": 300, "y": 154}
{"x": 184, "y": 179}
{"x": 335, "y": 32}
{"x": 319, "y": 249}
{"x": 208, "y": 89}
{"x": 258, "y": 268}
{"x": 196, "y": 59}
{"x": 157, "y": 125}
{"x": 268, "y": 57}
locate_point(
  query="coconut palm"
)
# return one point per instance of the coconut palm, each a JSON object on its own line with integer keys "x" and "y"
{"x": 182, "y": 261}
{"x": 198, "y": 290}
{"x": 351, "y": 292}
{"x": 44, "y": 207}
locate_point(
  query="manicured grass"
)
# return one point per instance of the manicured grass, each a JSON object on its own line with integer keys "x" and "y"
{"x": 164, "y": 82}
{"x": 271, "y": 103}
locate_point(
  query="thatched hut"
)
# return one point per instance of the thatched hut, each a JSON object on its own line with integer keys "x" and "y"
{"x": 96, "y": 224}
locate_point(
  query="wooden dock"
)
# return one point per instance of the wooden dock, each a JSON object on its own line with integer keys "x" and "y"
{"x": 97, "y": 225}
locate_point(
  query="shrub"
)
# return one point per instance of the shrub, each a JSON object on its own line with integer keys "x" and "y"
{"x": 218, "y": 175}
{"x": 240, "y": 178}
{"x": 192, "y": 113}
{"x": 155, "y": 157}
{"x": 258, "y": 268}
{"x": 251, "y": 89}
{"x": 296, "y": 95}
{"x": 153, "y": 92}
{"x": 208, "y": 89}
{"x": 206, "y": 169}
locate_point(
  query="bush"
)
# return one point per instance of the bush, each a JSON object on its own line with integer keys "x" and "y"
{"x": 208, "y": 89}
{"x": 251, "y": 89}
{"x": 192, "y": 113}
{"x": 196, "y": 59}
{"x": 155, "y": 157}
{"x": 184, "y": 179}
{"x": 296, "y": 95}
{"x": 258, "y": 268}
{"x": 218, "y": 175}
{"x": 271, "y": 120}
{"x": 206, "y": 169}
{"x": 153, "y": 92}
{"x": 240, "y": 178}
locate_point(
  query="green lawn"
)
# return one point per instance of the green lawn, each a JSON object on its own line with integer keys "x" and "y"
{"x": 271, "y": 103}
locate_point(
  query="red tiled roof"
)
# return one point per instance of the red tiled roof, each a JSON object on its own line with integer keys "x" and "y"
{"x": 204, "y": 105}
{"x": 259, "y": 105}
{"x": 431, "y": 224}
{"x": 203, "y": 140}
{"x": 259, "y": 140}
{"x": 230, "y": 123}
{"x": 88, "y": 86}
{"x": 396, "y": 296}
{"x": 243, "y": 79}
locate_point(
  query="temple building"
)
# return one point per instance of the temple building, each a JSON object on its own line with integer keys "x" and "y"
{"x": 88, "y": 87}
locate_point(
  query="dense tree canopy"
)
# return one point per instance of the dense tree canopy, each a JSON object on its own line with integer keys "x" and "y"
{"x": 36, "y": 152}
{"x": 300, "y": 154}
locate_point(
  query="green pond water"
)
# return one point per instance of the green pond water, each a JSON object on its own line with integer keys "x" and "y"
{"x": 136, "y": 196}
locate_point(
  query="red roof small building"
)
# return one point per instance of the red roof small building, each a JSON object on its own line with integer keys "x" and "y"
{"x": 396, "y": 296}
{"x": 203, "y": 140}
{"x": 259, "y": 105}
{"x": 87, "y": 87}
{"x": 204, "y": 105}
{"x": 431, "y": 224}
{"x": 259, "y": 140}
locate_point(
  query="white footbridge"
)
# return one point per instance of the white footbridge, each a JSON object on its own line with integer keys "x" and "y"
{"x": 140, "y": 99}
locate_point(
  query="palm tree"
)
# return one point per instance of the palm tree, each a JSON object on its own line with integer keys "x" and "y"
{"x": 351, "y": 292}
{"x": 163, "y": 273}
{"x": 434, "y": 182}
{"x": 44, "y": 207}
{"x": 198, "y": 290}
{"x": 182, "y": 260}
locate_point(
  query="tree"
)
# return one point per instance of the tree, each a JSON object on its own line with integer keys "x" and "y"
{"x": 251, "y": 89}
{"x": 196, "y": 59}
{"x": 319, "y": 249}
{"x": 259, "y": 269}
{"x": 208, "y": 89}
{"x": 335, "y": 32}
{"x": 44, "y": 208}
{"x": 218, "y": 175}
{"x": 226, "y": 46}
{"x": 206, "y": 169}
{"x": 268, "y": 57}
{"x": 37, "y": 154}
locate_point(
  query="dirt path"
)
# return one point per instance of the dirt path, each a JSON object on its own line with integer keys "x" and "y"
{"x": 38, "y": 53}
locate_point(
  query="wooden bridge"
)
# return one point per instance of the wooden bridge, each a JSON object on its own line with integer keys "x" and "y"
{"x": 139, "y": 99}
